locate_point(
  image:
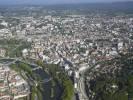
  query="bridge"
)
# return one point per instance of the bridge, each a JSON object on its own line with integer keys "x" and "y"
{"x": 36, "y": 68}
{"x": 20, "y": 59}
{"x": 45, "y": 80}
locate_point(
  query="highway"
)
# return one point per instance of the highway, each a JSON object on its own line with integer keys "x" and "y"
{"x": 81, "y": 90}
{"x": 81, "y": 84}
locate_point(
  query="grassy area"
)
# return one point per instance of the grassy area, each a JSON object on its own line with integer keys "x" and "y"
{"x": 21, "y": 66}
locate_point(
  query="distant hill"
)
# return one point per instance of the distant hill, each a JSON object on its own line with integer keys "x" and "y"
{"x": 114, "y": 5}
{"x": 82, "y": 8}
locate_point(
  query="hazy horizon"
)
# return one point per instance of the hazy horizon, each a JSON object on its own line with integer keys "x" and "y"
{"x": 49, "y": 2}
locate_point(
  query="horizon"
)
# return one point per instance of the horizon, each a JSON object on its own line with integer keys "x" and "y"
{"x": 58, "y": 2}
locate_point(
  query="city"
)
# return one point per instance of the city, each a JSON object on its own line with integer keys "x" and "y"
{"x": 66, "y": 53}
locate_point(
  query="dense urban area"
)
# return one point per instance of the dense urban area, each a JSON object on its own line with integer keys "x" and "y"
{"x": 65, "y": 53}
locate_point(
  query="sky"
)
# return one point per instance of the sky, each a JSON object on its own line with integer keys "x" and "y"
{"x": 47, "y": 2}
